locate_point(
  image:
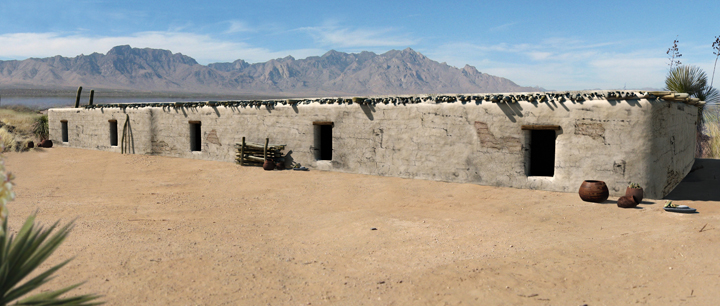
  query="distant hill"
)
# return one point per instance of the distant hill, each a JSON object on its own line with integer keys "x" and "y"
{"x": 334, "y": 73}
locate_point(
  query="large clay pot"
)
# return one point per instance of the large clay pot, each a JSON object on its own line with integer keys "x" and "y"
{"x": 269, "y": 164}
{"x": 636, "y": 193}
{"x": 280, "y": 165}
{"x": 626, "y": 202}
{"x": 594, "y": 191}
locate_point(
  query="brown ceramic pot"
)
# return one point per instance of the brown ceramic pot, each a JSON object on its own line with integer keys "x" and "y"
{"x": 280, "y": 165}
{"x": 47, "y": 143}
{"x": 594, "y": 191}
{"x": 636, "y": 193}
{"x": 269, "y": 164}
{"x": 626, "y": 202}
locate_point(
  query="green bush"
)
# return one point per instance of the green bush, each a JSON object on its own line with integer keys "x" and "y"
{"x": 40, "y": 128}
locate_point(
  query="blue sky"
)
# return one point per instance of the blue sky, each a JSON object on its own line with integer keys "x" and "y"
{"x": 560, "y": 45}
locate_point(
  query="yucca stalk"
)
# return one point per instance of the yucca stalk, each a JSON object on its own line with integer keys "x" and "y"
{"x": 21, "y": 254}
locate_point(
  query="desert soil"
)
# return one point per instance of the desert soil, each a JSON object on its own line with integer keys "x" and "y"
{"x": 155, "y": 230}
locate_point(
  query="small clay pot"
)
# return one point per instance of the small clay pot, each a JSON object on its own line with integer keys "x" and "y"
{"x": 594, "y": 191}
{"x": 280, "y": 165}
{"x": 47, "y": 143}
{"x": 269, "y": 165}
{"x": 636, "y": 193}
{"x": 626, "y": 202}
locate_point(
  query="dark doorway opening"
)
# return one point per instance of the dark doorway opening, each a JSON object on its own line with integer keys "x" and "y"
{"x": 323, "y": 140}
{"x": 195, "y": 135}
{"x": 113, "y": 133}
{"x": 64, "y": 130}
{"x": 542, "y": 152}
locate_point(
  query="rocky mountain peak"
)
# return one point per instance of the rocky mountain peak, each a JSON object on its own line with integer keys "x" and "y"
{"x": 123, "y": 67}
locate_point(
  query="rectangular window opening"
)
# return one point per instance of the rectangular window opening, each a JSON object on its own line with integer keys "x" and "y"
{"x": 323, "y": 140}
{"x": 542, "y": 152}
{"x": 113, "y": 133}
{"x": 195, "y": 135}
{"x": 64, "y": 130}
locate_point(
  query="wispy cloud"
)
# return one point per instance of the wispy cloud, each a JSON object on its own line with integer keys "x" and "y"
{"x": 502, "y": 27}
{"x": 334, "y": 36}
{"x": 238, "y": 26}
{"x": 204, "y": 48}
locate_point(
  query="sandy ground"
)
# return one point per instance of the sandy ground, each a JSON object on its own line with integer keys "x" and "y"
{"x": 168, "y": 231}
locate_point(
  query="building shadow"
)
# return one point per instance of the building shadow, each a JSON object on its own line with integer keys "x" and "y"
{"x": 701, "y": 184}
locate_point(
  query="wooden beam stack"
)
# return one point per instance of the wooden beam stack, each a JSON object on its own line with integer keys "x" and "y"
{"x": 255, "y": 154}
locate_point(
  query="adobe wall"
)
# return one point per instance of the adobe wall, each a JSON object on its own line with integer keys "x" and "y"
{"x": 648, "y": 141}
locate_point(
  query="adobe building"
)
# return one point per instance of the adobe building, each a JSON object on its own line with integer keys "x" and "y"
{"x": 546, "y": 141}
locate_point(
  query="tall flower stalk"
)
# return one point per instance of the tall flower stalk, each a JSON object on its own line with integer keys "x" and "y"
{"x": 716, "y": 51}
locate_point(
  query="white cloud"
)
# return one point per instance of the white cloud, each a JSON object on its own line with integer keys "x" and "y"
{"x": 338, "y": 37}
{"x": 562, "y": 63}
{"x": 203, "y": 48}
{"x": 238, "y": 26}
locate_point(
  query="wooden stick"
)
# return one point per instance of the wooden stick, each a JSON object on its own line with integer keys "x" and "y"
{"x": 267, "y": 140}
{"x": 242, "y": 152}
{"x": 703, "y": 227}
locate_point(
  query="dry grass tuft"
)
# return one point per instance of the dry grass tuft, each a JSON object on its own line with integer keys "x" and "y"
{"x": 16, "y": 127}
{"x": 712, "y": 129}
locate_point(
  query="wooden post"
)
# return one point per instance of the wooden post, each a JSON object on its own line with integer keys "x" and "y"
{"x": 77, "y": 97}
{"x": 267, "y": 140}
{"x": 92, "y": 94}
{"x": 242, "y": 153}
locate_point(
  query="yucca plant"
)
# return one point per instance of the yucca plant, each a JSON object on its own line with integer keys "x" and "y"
{"x": 693, "y": 81}
{"x": 23, "y": 253}
{"x": 686, "y": 79}
{"x": 40, "y": 128}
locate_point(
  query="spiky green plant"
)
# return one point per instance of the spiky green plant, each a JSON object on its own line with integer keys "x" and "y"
{"x": 693, "y": 81}
{"x": 634, "y": 186}
{"x": 40, "y": 127}
{"x": 23, "y": 253}
{"x": 686, "y": 79}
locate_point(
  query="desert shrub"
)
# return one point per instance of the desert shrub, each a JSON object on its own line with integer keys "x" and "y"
{"x": 712, "y": 126}
{"x": 40, "y": 127}
{"x": 7, "y": 140}
{"x": 21, "y": 254}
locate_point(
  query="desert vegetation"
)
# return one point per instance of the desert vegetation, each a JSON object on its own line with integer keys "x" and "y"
{"x": 694, "y": 81}
{"x": 21, "y": 253}
{"x": 20, "y": 125}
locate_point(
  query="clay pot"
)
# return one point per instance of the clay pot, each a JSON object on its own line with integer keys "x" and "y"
{"x": 269, "y": 164}
{"x": 626, "y": 202}
{"x": 594, "y": 191}
{"x": 47, "y": 143}
{"x": 636, "y": 193}
{"x": 280, "y": 165}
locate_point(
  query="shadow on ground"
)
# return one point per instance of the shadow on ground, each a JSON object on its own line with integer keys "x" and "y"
{"x": 702, "y": 184}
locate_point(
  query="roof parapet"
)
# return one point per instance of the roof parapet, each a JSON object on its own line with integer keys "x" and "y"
{"x": 533, "y": 97}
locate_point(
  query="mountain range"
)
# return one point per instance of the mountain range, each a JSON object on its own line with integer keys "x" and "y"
{"x": 334, "y": 73}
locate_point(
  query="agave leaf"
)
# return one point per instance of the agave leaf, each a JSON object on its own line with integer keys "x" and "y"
{"x": 21, "y": 255}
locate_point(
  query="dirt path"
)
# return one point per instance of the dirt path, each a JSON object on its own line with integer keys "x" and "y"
{"x": 168, "y": 231}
